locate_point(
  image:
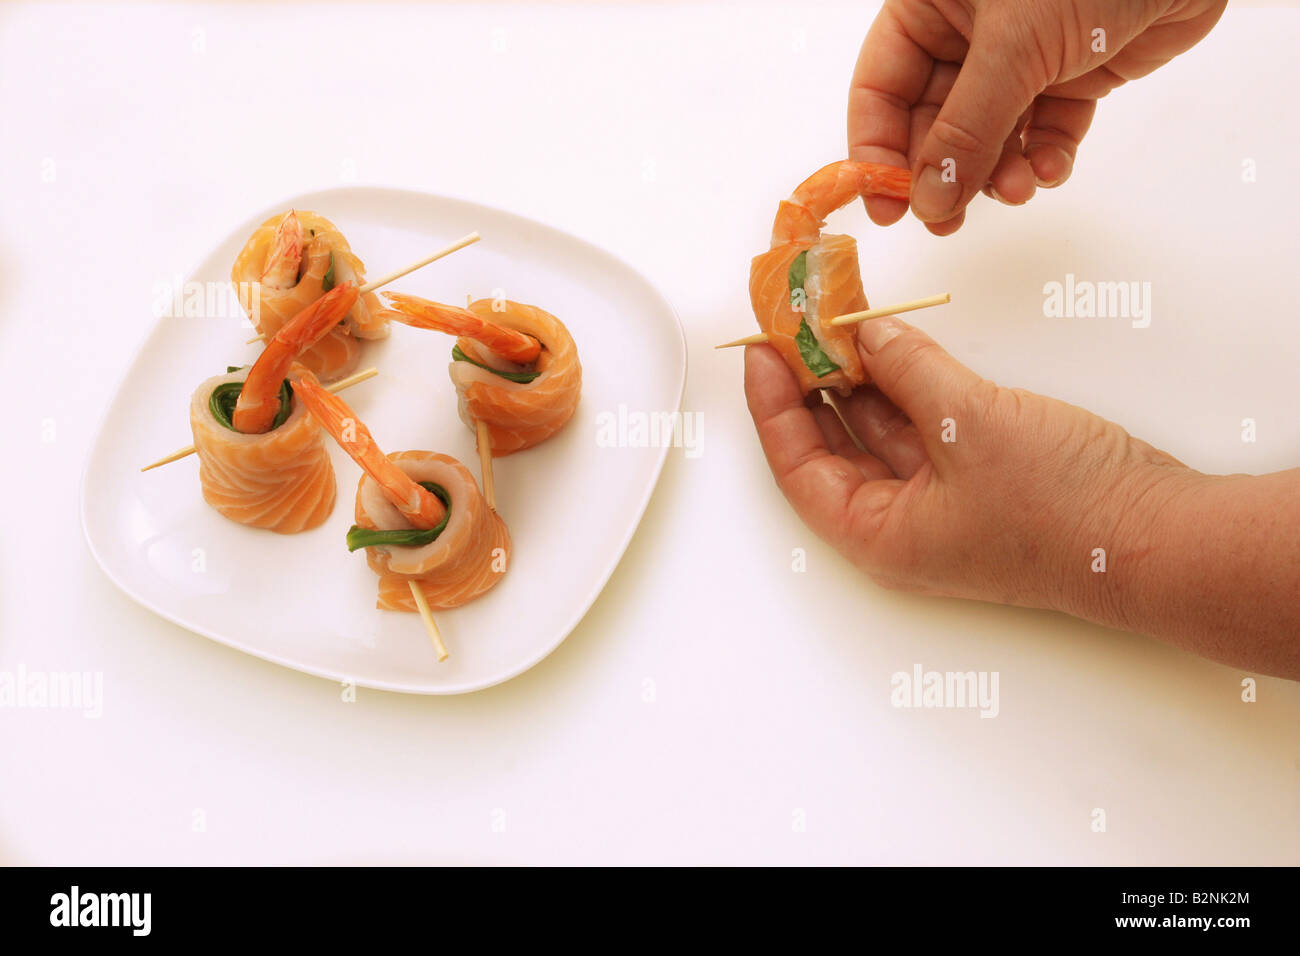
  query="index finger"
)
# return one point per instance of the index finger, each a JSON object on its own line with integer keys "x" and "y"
{"x": 890, "y": 76}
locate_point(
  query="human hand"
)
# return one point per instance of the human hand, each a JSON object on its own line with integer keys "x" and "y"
{"x": 964, "y": 488}
{"x": 1001, "y": 90}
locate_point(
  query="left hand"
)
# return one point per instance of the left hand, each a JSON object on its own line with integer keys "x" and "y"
{"x": 935, "y": 480}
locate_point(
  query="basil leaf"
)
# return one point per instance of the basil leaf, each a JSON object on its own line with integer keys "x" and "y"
{"x": 798, "y": 271}
{"x": 359, "y": 537}
{"x": 522, "y": 377}
{"x": 327, "y": 281}
{"x": 818, "y": 362}
{"x": 225, "y": 397}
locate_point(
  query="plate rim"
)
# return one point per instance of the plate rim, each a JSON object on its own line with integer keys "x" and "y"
{"x": 333, "y": 676}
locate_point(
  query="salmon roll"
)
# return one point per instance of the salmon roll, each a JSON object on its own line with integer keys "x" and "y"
{"x": 420, "y": 516}
{"x": 467, "y": 556}
{"x": 795, "y": 291}
{"x": 806, "y": 279}
{"x": 523, "y": 404}
{"x": 280, "y": 480}
{"x": 293, "y": 259}
{"x": 515, "y": 366}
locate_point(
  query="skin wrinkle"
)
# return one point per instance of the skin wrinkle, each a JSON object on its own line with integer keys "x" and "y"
{"x": 956, "y": 138}
{"x": 911, "y": 363}
{"x": 1055, "y": 130}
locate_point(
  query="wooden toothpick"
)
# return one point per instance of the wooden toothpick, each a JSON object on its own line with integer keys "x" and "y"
{"x": 851, "y": 318}
{"x": 429, "y": 624}
{"x": 484, "y": 434}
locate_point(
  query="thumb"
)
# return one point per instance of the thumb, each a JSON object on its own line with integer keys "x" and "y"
{"x": 992, "y": 90}
{"x": 911, "y": 370}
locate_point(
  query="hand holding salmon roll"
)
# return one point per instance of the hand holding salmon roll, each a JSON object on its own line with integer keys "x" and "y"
{"x": 806, "y": 279}
{"x": 515, "y": 366}
{"x": 262, "y": 459}
{"x": 420, "y": 516}
{"x": 289, "y": 262}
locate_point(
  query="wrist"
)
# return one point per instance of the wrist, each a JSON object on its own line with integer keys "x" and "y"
{"x": 1115, "y": 563}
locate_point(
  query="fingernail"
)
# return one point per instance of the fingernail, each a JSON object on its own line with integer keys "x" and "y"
{"x": 934, "y": 200}
{"x": 998, "y": 196}
{"x": 875, "y": 333}
{"x": 1067, "y": 164}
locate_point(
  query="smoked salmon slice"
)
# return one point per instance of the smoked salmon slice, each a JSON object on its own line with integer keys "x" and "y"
{"x": 280, "y": 480}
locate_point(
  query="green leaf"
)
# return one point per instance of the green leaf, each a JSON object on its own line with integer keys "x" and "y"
{"x": 225, "y": 397}
{"x": 359, "y": 537}
{"x": 522, "y": 377}
{"x": 327, "y": 281}
{"x": 818, "y": 362}
{"x": 798, "y": 271}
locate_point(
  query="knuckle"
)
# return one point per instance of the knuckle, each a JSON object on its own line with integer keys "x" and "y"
{"x": 961, "y": 140}
{"x": 916, "y": 352}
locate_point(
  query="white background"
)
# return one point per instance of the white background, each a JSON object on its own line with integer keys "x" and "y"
{"x": 666, "y": 134}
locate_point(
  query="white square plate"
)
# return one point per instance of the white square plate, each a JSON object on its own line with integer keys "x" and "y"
{"x": 572, "y": 503}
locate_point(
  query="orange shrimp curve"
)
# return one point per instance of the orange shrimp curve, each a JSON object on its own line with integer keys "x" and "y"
{"x": 510, "y": 344}
{"x": 259, "y": 399}
{"x": 417, "y": 505}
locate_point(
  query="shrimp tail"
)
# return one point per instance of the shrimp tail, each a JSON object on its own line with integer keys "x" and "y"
{"x": 418, "y": 505}
{"x": 423, "y": 314}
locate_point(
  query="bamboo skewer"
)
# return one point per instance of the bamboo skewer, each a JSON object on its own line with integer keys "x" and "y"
{"x": 459, "y": 244}
{"x": 335, "y": 387}
{"x": 485, "y": 462}
{"x": 429, "y": 624}
{"x": 853, "y": 317}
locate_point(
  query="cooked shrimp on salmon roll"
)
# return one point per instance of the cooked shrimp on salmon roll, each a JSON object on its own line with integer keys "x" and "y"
{"x": 515, "y": 366}
{"x": 289, "y": 262}
{"x": 419, "y": 515}
{"x": 262, "y": 458}
{"x": 806, "y": 279}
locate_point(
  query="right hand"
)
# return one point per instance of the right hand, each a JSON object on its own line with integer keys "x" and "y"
{"x": 1002, "y": 89}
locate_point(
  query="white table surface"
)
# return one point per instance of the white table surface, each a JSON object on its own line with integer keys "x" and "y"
{"x": 712, "y": 699}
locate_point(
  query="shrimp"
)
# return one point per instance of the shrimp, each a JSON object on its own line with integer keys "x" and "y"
{"x": 800, "y": 218}
{"x": 259, "y": 399}
{"x": 510, "y": 344}
{"x": 418, "y": 505}
{"x": 285, "y": 255}
{"x": 806, "y": 279}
